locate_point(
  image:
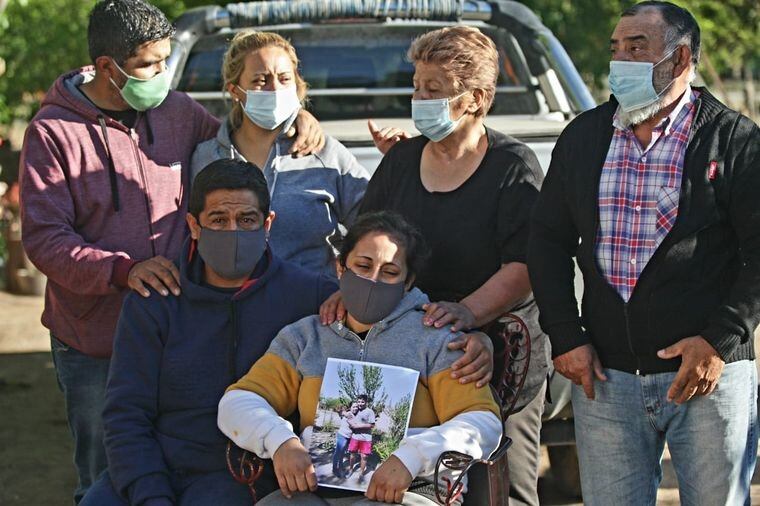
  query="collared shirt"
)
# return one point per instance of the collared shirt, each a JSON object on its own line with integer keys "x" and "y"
{"x": 639, "y": 192}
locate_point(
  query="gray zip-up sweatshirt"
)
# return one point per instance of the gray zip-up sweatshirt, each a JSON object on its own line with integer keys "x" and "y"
{"x": 311, "y": 196}
{"x": 446, "y": 415}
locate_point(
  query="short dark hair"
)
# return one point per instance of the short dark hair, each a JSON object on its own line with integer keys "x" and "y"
{"x": 363, "y": 397}
{"x": 228, "y": 174}
{"x": 395, "y": 226}
{"x": 681, "y": 25}
{"x": 118, "y": 27}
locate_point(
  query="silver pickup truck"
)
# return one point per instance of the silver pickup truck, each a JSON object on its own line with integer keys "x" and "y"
{"x": 353, "y": 57}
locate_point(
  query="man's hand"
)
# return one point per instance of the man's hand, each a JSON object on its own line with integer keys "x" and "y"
{"x": 389, "y": 482}
{"x": 332, "y": 309}
{"x": 157, "y": 272}
{"x": 477, "y": 362}
{"x": 438, "y": 314}
{"x": 581, "y": 365}
{"x": 310, "y": 138}
{"x": 293, "y": 468}
{"x": 385, "y": 138}
{"x": 701, "y": 367}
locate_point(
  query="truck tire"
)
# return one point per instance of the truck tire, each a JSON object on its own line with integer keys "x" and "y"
{"x": 565, "y": 471}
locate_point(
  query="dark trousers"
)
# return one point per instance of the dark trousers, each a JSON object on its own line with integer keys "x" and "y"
{"x": 82, "y": 379}
{"x": 208, "y": 489}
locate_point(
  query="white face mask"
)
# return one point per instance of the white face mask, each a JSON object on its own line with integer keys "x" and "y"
{"x": 432, "y": 117}
{"x": 632, "y": 83}
{"x": 269, "y": 109}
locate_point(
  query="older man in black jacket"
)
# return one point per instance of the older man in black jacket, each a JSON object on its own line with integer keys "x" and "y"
{"x": 657, "y": 195}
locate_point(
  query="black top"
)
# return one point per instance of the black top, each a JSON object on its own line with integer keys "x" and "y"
{"x": 704, "y": 279}
{"x": 471, "y": 230}
{"x": 127, "y": 118}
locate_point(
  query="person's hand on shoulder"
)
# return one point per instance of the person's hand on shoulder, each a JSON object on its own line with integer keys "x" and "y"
{"x": 308, "y": 133}
{"x": 385, "y": 138}
{"x": 389, "y": 482}
{"x": 293, "y": 468}
{"x": 157, "y": 272}
{"x": 458, "y": 315}
{"x": 332, "y": 309}
{"x": 477, "y": 362}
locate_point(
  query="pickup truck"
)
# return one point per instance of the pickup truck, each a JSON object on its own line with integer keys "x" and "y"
{"x": 353, "y": 57}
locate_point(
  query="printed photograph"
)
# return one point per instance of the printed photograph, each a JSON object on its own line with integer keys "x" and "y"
{"x": 362, "y": 416}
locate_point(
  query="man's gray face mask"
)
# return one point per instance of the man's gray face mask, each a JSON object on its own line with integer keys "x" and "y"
{"x": 232, "y": 254}
{"x": 369, "y": 301}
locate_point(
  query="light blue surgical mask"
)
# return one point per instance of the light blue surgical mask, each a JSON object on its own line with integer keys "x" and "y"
{"x": 269, "y": 109}
{"x": 631, "y": 83}
{"x": 433, "y": 119}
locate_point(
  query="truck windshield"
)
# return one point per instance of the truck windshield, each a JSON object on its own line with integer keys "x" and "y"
{"x": 360, "y": 70}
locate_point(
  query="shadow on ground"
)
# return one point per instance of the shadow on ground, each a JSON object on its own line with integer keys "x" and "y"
{"x": 35, "y": 443}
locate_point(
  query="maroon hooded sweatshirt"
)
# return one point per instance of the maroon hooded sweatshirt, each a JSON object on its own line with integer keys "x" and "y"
{"x": 97, "y": 197}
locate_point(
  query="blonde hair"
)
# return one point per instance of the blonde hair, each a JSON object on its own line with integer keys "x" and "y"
{"x": 465, "y": 54}
{"x": 241, "y": 45}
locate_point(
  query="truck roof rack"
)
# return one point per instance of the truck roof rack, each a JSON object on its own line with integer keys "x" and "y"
{"x": 517, "y": 18}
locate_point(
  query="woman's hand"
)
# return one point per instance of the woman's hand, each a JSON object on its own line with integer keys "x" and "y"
{"x": 385, "y": 138}
{"x": 309, "y": 135}
{"x": 438, "y": 314}
{"x": 389, "y": 482}
{"x": 332, "y": 309}
{"x": 293, "y": 467}
{"x": 477, "y": 362}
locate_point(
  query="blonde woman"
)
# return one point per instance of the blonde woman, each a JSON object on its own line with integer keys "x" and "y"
{"x": 311, "y": 195}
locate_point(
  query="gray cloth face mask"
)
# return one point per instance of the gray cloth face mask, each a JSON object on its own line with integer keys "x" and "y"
{"x": 232, "y": 254}
{"x": 369, "y": 301}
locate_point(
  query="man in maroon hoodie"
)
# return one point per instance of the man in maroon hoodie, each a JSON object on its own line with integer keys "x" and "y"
{"x": 103, "y": 200}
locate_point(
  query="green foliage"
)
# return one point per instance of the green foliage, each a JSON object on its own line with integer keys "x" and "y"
{"x": 42, "y": 39}
{"x": 388, "y": 442}
{"x": 333, "y": 403}
{"x": 385, "y": 448}
{"x": 329, "y": 426}
{"x": 730, "y": 31}
{"x": 372, "y": 384}
{"x": 399, "y": 414}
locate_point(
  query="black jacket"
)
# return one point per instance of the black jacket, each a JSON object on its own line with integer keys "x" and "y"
{"x": 704, "y": 279}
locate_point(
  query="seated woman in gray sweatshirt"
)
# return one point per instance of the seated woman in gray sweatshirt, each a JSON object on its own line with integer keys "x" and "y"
{"x": 310, "y": 195}
{"x": 378, "y": 261}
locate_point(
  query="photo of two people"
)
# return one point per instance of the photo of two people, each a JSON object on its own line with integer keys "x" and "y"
{"x": 362, "y": 416}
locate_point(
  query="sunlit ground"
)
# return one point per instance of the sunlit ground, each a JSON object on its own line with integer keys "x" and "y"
{"x": 35, "y": 447}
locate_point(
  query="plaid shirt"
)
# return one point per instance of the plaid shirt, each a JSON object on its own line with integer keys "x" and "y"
{"x": 639, "y": 192}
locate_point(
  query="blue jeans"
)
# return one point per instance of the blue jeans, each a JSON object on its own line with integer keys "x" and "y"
{"x": 216, "y": 488}
{"x": 341, "y": 443}
{"x": 712, "y": 439}
{"x": 82, "y": 379}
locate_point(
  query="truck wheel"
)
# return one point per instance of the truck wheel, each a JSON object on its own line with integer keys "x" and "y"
{"x": 565, "y": 471}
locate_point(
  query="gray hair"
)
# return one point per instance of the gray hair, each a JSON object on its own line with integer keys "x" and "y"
{"x": 680, "y": 26}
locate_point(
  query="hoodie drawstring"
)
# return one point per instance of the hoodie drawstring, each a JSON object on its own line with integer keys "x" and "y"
{"x": 111, "y": 167}
{"x": 150, "y": 129}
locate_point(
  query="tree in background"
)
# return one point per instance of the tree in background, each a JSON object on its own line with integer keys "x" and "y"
{"x": 41, "y": 39}
{"x": 371, "y": 386}
{"x": 730, "y": 32}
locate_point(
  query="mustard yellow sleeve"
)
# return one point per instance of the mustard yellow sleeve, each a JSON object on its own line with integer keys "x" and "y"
{"x": 274, "y": 379}
{"x": 451, "y": 398}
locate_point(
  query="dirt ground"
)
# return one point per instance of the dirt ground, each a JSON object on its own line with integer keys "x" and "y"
{"x": 35, "y": 444}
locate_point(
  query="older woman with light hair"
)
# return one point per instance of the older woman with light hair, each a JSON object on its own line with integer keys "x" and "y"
{"x": 312, "y": 196}
{"x": 470, "y": 190}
